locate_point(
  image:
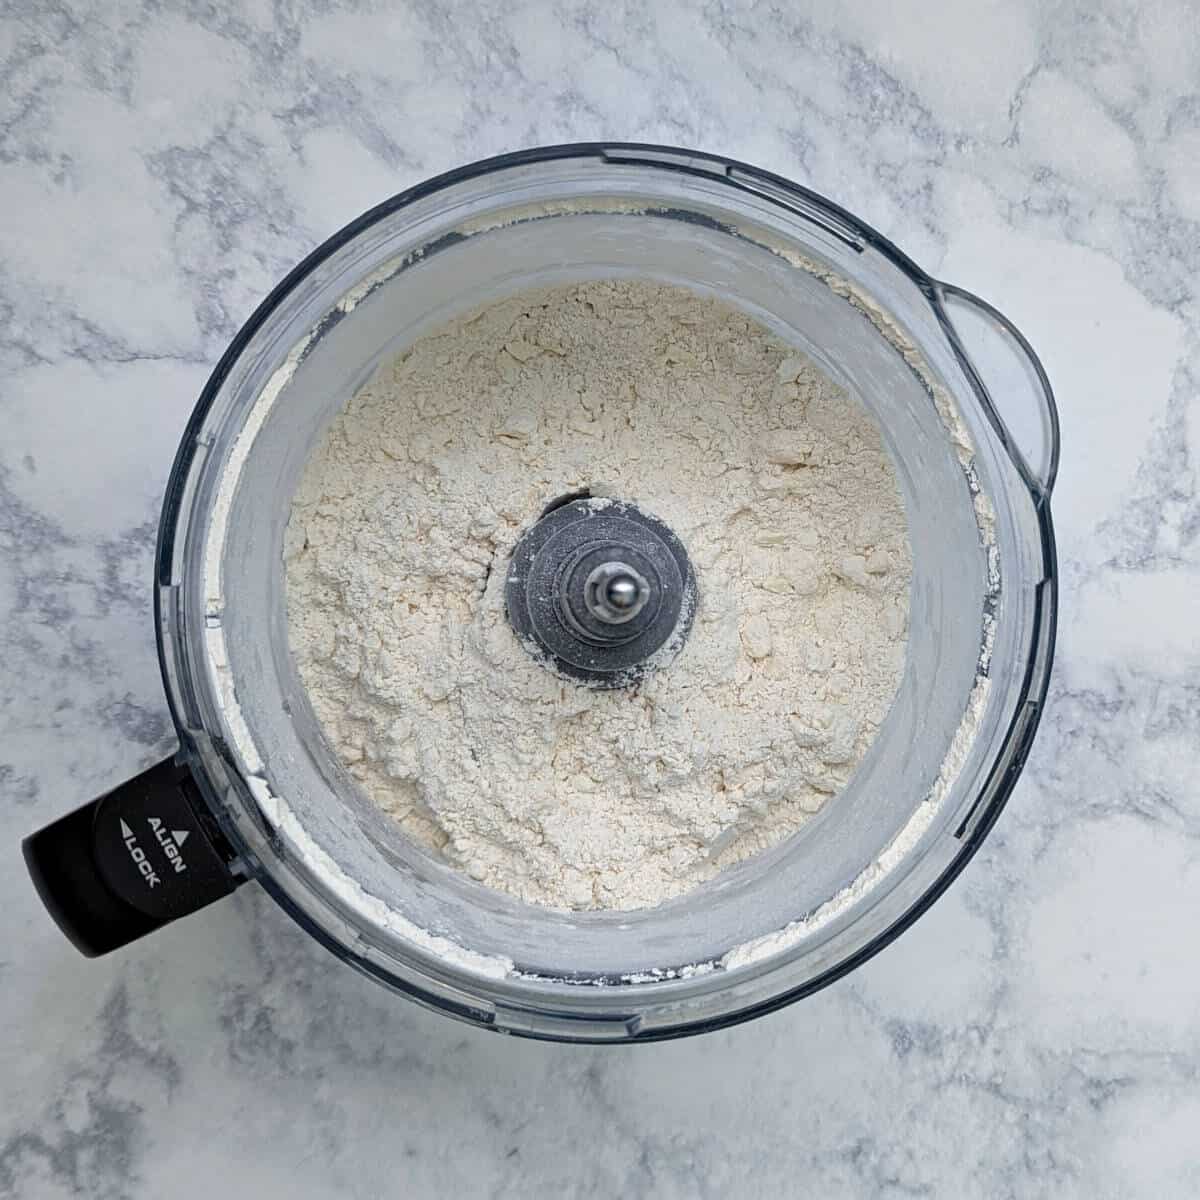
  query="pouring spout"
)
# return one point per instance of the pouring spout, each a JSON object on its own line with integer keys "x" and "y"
{"x": 1010, "y": 379}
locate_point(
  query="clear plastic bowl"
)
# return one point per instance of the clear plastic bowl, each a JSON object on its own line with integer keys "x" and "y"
{"x": 975, "y": 485}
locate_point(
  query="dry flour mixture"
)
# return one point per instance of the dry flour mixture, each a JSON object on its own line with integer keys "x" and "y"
{"x": 773, "y": 477}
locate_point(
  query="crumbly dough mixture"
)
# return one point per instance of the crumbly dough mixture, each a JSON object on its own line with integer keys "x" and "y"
{"x": 396, "y": 553}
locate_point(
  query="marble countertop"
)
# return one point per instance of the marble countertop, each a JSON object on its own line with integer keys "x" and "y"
{"x": 1038, "y": 1033}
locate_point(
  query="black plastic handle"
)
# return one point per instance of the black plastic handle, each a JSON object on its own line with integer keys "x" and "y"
{"x": 131, "y": 861}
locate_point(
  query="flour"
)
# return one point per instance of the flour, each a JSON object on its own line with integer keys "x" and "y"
{"x": 774, "y": 479}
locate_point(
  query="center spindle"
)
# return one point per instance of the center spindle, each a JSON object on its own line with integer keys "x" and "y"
{"x": 596, "y": 588}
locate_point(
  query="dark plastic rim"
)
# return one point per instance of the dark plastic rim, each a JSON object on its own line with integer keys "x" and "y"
{"x": 1016, "y": 744}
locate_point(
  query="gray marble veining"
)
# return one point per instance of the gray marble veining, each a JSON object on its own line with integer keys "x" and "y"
{"x": 1038, "y": 1033}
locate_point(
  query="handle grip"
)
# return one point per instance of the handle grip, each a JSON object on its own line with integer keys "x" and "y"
{"x": 126, "y": 864}
{"x": 1011, "y": 377}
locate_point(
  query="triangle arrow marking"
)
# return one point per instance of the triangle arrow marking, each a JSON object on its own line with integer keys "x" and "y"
{"x": 126, "y": 831}
{"x": 180, "y": 836}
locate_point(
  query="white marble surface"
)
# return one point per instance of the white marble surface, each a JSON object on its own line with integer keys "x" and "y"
{"x": 1036, "y": 1035}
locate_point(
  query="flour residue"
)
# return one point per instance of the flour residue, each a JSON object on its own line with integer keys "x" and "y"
{"x": 778, "y": 484}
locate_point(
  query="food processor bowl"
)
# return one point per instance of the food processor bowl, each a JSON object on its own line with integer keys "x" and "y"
{"x": 967, "y": 415}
